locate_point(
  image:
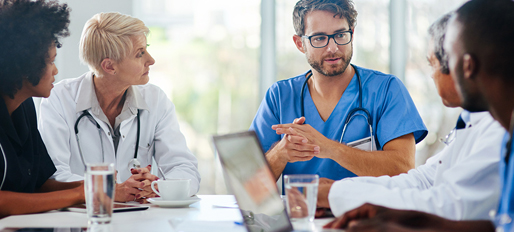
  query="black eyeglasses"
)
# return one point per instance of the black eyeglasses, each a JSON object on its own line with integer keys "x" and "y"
{"x": 341, "y": 38}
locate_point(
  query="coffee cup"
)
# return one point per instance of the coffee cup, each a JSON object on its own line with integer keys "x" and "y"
{"x": 172, "y": 189}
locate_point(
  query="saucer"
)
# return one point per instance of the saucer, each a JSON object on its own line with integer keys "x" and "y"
{"x": 173, "y": 204}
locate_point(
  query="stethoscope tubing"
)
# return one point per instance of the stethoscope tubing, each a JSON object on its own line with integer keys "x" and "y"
{"x": 90, "y": 117}
{"x": 5, "y": 166}
{"x": 351, "y": 114}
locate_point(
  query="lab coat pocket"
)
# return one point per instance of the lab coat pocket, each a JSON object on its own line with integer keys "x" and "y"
{"x": 144, "y": 154}
{"x": 150, "y": 152}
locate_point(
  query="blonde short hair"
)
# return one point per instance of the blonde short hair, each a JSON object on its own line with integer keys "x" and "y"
{"x": 108, "y": 35}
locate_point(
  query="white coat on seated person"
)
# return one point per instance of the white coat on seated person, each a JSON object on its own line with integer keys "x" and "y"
{"x": 159, "y": 136}
{"x": 460, "y": 183}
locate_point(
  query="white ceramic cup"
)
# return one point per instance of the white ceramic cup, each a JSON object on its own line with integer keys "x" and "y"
{"x": 172, "y": 189}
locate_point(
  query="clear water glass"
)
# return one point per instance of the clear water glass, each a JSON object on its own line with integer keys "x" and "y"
{"x": 99, "y": 190}
{"x": 301, "y": 196}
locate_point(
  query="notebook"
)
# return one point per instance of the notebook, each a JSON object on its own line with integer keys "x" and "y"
{"x": 249, "y": 177}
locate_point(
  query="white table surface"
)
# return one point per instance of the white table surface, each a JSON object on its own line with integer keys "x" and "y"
{"x": 199, "y": 216}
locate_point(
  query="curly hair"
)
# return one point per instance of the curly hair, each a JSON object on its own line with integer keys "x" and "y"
{"x": 27, "y": 30}
{"x": 340, "y": 8}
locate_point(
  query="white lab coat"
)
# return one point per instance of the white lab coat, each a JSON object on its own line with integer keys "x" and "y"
{"x": 160, "y": 133}
{"x": 460, "y": 183}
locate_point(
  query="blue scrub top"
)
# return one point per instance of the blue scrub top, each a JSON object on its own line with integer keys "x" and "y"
{"x": 392, "y": 110}
{"x": 507, "y": 184}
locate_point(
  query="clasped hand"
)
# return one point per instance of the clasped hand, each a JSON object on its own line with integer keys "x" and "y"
{"x": 137, "y": 187}
{"x": 301, "y": 141}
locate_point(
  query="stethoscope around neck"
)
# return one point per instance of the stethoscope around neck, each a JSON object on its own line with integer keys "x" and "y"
{"x": 134, "y": 163}
{"x": 359, "y": 111}
{"x": 5, "y": 166}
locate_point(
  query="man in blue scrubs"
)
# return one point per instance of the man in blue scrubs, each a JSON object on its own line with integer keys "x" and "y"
{"x": 311, "y": 145}
{"x": 480, "y": 47}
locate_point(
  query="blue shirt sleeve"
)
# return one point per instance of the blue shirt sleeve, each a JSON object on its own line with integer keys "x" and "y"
{"x": 397, "y": 115}
{"x": 265, "y": 118}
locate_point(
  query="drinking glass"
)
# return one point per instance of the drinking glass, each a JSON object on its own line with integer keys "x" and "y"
{"x": 301, "y": 196}
{"x": 99, "y": 190}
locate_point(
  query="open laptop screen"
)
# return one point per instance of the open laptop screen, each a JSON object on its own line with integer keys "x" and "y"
{"x": 249, "y": 178}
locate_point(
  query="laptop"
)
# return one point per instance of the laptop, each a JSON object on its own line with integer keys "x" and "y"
{"x": 249, "y": 177}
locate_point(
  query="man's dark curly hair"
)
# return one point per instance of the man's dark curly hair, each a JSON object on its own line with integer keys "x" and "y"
{"x": 27, "y": 30}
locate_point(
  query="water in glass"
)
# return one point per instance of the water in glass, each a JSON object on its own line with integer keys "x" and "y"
{"x": 301, "y": 200}
{"x": 99, "y": 193}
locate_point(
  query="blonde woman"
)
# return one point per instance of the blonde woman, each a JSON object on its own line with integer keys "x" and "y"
{"x": 111, "y": 114}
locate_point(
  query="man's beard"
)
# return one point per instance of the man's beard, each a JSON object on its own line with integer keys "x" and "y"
{"x": 318, "y": 65}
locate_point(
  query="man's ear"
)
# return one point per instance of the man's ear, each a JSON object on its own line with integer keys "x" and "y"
{"x": 469, "y": 66}
{"x": 108, "y": 66}
{"x": 298, "y": 42}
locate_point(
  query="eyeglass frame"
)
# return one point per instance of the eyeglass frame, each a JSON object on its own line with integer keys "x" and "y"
{"x": 329, "y": 37}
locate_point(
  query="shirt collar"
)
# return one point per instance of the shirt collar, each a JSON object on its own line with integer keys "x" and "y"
{"x": 5, "y": 120}
{"x": 87, "y": 98}
{"x": 134, "y": 100}
{"x": 15, "y": 126}
{"x": 472, "y": 118}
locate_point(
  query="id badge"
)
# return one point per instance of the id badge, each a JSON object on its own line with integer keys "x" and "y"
{"x": 365, "y": 144}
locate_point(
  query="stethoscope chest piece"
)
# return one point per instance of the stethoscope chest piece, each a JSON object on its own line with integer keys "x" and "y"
{"x": 134, "y": 164}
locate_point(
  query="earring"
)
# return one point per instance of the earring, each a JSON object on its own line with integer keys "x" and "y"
{"x": 114, "y": 72}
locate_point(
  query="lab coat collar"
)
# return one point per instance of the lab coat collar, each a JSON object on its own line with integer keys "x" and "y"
{"x": 86, "y": 95}
{"x": 86, "y": 98}
{"x": 135, "y": 100}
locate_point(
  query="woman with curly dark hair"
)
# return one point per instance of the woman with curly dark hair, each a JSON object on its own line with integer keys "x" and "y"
{"x": 29, "y": 33}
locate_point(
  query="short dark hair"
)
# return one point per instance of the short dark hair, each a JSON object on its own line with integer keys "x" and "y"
{"x": 437, "y": 33}
{"x": 27, "y": 30}
{"x": 340, "y": 8}
{"x": 488, "y": 34}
